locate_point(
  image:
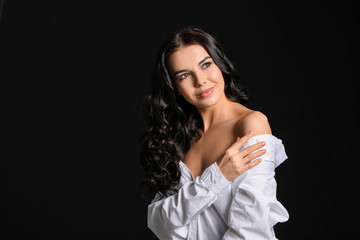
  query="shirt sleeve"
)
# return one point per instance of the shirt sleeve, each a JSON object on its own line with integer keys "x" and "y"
{"x": 255, "y": 209}
{"x": 170, "y": 217}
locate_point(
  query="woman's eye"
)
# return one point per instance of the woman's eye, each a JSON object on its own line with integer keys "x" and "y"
{"x": 206, "y": 65}
{"x": 182, "y": 76}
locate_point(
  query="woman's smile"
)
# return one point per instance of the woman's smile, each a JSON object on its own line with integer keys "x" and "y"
{"x": 205, "y": 93}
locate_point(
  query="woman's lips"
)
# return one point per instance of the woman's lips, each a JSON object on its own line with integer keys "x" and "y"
{"x": 206, "y": 93}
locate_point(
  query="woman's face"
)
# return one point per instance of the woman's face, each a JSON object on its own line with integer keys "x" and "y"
{"x": 194, "y": 72}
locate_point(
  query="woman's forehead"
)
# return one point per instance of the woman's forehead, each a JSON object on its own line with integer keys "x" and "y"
{"x": 187, "y": 57}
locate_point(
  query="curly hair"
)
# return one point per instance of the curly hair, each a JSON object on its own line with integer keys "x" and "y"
{"x": 172, "y": 122}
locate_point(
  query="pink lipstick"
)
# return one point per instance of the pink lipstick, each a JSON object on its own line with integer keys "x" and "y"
{"x": 206, "y": 93}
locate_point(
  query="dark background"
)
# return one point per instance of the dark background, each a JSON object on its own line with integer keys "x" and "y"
{"x": 73, "y": 78}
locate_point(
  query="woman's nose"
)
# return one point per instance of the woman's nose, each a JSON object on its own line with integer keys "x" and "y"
{"x": 199, "y": 80}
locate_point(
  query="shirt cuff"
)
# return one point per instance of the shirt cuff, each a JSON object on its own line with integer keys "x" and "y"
{"x": 213, "y": 178}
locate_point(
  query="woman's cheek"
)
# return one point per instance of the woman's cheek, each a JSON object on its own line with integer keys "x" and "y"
{"x": 215, "y": 75}
{"x": 184, "y": 91}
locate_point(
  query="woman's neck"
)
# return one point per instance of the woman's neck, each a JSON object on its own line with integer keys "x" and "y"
{"x": 220, "y": 112}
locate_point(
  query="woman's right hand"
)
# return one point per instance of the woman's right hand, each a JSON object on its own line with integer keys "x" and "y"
{"x": 235, "y": 162}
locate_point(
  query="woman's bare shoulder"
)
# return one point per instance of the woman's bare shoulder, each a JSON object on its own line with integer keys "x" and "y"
{"x": 255, "y": 121}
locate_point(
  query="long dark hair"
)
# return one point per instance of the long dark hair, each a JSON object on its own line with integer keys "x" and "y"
{"x": 172, "y": 122}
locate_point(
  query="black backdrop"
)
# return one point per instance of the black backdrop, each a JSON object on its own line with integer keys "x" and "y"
{"x": 74, "y": 75}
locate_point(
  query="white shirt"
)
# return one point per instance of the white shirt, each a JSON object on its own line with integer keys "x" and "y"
{"x": 212, "y": 208}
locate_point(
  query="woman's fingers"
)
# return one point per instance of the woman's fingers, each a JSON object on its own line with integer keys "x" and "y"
{"x": 235, "y": 162}
{"x": 252, "y": 156}
{"x": 253, "y": 163}
{"x": 248, "y": 154}
{"x": 252, "y": 148}
{"x": 241, "y": 141}
{"x": 244, "y": 159}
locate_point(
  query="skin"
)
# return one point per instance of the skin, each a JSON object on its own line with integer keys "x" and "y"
{"x": 227, "y": 124}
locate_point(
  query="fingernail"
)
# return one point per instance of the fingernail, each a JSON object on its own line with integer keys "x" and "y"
{"x": 264, "y": 150}
{"x": 263, "y": 143}
{"x": 251, "y": 132}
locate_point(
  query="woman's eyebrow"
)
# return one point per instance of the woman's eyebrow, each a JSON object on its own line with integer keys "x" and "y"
{"x": 205, "y": 58}
{"x": 184, "y": 70}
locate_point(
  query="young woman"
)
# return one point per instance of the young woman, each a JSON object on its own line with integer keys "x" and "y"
{"x": 210, "y": 159}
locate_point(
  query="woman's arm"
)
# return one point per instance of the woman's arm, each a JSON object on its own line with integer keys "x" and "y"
{"x": 171, "y": 217}
{"x": 255, "y": 208}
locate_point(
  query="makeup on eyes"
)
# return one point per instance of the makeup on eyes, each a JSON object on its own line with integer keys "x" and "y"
{"x": 204, "y": 65}
{"x": 207, "y": 64}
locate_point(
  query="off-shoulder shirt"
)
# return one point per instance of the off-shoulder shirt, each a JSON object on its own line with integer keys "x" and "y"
{"x": 213, "y": 208}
